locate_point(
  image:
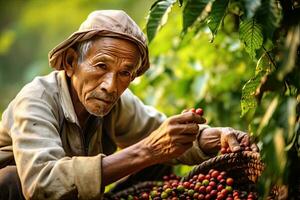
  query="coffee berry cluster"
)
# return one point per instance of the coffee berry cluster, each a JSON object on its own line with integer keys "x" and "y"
{"x": 213, "y": 185}
{"x": 244, "y": 147}
{"x": 198, "y": 111}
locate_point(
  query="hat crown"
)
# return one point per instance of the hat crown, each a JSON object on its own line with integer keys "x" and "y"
{"x": 113, "y": 20}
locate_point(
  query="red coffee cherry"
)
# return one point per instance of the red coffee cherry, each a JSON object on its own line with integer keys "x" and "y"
{"x": 202, "y": 189}
{"x": 215, "y": 174}
{"x": 229, "y": 181}
{"x": 199, "y": 111}
{"x": 193, "y": 110}
{"x": 220, "y": 187}
{"x": 145, "y": 195}
{"x": 201, "y": 196}
{"x": 201, "y": 177}
{"x": 223, "y": 150}
{"x": 207, "y": 196}
{"x": 228, "y": 150}
{"x": 186, "y": 185}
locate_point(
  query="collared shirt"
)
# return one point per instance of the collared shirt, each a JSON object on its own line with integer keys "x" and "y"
{"x": 55, "y": 158}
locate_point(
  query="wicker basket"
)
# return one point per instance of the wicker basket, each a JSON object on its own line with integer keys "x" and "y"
{"x": 142, "y": 187}
{"x": 245, "y": 167}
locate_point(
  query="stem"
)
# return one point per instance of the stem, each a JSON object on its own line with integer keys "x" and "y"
{"x": 286, "y": 85}
{"x": 270, "y": 57}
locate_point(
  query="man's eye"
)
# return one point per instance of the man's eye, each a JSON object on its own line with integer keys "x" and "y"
{"x": 101, "y": 65}
{"x": 125, "y": 73}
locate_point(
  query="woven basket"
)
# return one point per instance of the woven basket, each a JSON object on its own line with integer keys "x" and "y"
{"x": 245, "y": 167}
{"x": 142, "y": 187}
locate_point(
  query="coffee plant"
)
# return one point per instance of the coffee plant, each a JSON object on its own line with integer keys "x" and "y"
{"x": 269, "y": 32}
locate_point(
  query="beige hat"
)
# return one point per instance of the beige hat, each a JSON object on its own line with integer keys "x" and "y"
{"x": 111, "y": 23}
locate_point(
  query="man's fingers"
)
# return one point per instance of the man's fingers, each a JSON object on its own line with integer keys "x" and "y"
{"x": 240, "y": 134}
{"x": 245, "y": 140}
{"x": 189, "y": 129}
{"x": 188, "y": 117}
{"x": 254, "y": 147}
{"x": 232, "y": 142}
{"x": 184, "y": 111}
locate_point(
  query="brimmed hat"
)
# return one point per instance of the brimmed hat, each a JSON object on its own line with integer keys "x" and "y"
{"x": 110, "y": 23}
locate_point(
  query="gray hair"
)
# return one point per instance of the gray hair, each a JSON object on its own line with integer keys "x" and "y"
{"x": 82, "y": 49}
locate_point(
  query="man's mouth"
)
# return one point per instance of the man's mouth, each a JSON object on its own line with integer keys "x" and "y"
{"x": 105, "y": 101}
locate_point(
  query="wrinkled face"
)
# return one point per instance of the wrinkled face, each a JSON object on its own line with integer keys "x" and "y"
{"x": 104, "y": 74}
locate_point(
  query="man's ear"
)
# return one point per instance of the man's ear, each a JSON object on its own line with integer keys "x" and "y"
{"x": 71, "y": 61}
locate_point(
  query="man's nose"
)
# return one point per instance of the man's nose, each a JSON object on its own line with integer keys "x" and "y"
{"x": 109, "y": 84}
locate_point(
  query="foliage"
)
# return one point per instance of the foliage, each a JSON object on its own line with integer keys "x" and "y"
{"x": 251, "y": 35}
{"x": 158, "y": 17}
{"x": 248, "y": 100}
{"x": 216, "y": 17}
{"x": 219, "y": 76}
{"x": 192, "y": 11}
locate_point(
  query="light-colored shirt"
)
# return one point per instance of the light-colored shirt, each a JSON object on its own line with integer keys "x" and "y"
{"x": 55, "y": 158}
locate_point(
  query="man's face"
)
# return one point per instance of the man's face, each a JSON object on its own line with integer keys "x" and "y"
{"x": 105, "y": 72}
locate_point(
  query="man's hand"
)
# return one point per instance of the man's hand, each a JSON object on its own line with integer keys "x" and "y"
{"x": 173, "y": 137}
{"x": 170, "y": 140}
{"x": 212, "y": 140}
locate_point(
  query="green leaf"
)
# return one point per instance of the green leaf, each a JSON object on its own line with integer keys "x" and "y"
{"x": 268, "y": 16}
{"x": 192, "y": 11}
{"x": 217, "y": 15}
{"x": 248, "y": 101}
{"x": 157, "y": 17}
{"x": 264, "y": 65}
{"x": 251, "y": 35}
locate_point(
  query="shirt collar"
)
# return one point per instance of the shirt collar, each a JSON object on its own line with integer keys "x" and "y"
{"x": 65, "y": 99}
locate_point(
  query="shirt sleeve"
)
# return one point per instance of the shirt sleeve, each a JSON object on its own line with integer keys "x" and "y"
{"x": 44, "y": 169}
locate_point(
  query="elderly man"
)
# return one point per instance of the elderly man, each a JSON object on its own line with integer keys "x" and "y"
{"x": 58, "y": 136}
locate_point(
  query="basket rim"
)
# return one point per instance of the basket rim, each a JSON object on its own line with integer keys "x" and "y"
{"x": 211, "y": 162}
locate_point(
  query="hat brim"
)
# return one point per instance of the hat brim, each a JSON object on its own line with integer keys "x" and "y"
{"x": 56, "y": 55}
